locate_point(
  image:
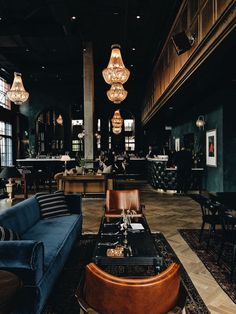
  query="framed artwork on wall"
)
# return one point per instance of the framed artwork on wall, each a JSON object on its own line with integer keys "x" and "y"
{"x": 177, "y": 144}
{"x": 211, "y": 148}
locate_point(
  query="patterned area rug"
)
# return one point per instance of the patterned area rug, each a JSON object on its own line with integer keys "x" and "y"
{"x": 62, "y": 299}
{"x": 220, "y": 272}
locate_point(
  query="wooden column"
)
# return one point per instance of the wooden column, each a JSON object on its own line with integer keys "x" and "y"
{"x": 88, "y": 78}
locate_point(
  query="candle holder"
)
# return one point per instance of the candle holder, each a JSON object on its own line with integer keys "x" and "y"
{"x": 126, "y": 217}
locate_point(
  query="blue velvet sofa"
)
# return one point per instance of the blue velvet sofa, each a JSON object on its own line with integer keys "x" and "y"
{"x": 40, "y": 255}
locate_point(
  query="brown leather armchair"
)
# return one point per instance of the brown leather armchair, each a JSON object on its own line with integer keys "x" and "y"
{"x": 104, "y": 293}
{"x": 117, "y": 200}
{"x": 57, "y": 178}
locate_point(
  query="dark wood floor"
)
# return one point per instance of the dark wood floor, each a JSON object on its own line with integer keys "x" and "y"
{"x": 166, "y": 213}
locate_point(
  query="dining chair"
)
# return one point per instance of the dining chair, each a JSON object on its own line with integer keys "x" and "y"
{"x": 210, "y": 216}
{"x": 117, "y": 200}
{"x": 101, "y": 292}
{"x": 228, "y": 221}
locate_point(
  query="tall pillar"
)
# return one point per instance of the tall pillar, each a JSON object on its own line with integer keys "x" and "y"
{"x": 88, "y": 79}
{"x": 104, "y": 132}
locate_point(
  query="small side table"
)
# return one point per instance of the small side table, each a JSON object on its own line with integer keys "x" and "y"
{"x": 9, "y": 284}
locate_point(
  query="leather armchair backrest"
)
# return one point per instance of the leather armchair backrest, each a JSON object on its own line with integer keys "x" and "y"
{"x": 107, "y": 294}
{"x": 122, "y": 199}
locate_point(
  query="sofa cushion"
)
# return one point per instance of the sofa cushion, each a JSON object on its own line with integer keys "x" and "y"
{"x": 8, "y": 234}
{"x": 21, "y": 216}
{"x": 52, "y": 205}
{"x": 54, "y": 234}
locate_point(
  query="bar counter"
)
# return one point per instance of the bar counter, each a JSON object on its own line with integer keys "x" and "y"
{"x": 162, "y": 177}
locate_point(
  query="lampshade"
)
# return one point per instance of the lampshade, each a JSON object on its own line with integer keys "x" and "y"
{"x": 10, "y": 172}
{"x": 17, "y": 93}
{"x": 117, "y": 93}
{"x": 65, "y": 158}
{"x": 116, "y": 71}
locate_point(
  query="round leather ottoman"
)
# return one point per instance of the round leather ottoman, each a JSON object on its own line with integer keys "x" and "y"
{"x": 9, "y": 284}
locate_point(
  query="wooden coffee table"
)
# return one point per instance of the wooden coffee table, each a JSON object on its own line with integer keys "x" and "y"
{"x": 141, "y": 247}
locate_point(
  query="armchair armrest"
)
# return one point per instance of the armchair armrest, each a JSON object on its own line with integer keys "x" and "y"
{"x": 74, "y": 202}
{"x": 84, "y": 306}
{"x": 23, "y": 257}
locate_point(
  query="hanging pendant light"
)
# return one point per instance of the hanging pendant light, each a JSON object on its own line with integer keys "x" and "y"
{"x": 117, "y": 93}
{"x": 117, "y": 122}
{"x": 116, "y": 130}
{"x": 17, "y": 93}
{"x": 116, "y": 72}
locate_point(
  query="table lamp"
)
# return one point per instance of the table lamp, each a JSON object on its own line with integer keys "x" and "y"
{"x": 10, "y": 173}
{"x": 65, "y": 158}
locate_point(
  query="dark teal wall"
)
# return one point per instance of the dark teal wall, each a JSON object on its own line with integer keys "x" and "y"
{"x": 214, "y": 175}
{"x": 229, "y": 138}
{"x": 39, "y": 102}
{"x": 219, "y": 112}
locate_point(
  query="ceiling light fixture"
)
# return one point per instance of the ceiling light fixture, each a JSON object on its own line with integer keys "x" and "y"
{"x": 117, "y": 93}
{"x": 17, "y": 92}
{"x": 138, "y": 17}
{"x": 116, "y": 72}
{"x": 60, "y": 120}
{"x": 117, "y": 122}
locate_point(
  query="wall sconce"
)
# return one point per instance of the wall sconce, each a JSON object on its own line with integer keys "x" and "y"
{"x": 200, "y": 123}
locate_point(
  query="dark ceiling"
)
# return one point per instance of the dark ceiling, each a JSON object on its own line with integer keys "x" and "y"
{"x": 42, "y": 40}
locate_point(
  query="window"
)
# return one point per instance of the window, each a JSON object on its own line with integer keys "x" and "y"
{"x": 6, "y": 143}
{"x": 130, "y": 143}
{"x": 77, "y": 145}
{"x": 77, "y": 122}
{"x": 99, "y": 125}
{"x": 129, "y": 124}
{"x": 99, "y": 142}
{"x": 109, "y": 144}
{"x": 4, "y": 101}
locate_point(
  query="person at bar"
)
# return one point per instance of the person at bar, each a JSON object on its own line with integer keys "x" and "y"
{"x": 183, "y": 161}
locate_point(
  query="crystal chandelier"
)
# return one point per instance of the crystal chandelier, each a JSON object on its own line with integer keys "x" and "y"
{"x": 116, "y": 71}
{"x": 117, "y": 122}
{"x": 117, "y": 93}
{"x": 60, "y": 120}
{"x": 116, "y": 130}
{"x": 17, "y": 93}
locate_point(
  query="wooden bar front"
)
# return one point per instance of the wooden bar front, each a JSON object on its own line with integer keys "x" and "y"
{"x": 84, "y": 184}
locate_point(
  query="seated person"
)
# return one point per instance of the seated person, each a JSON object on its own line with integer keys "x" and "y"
{"x": 150, "y": 153}
{"x": 105, "y": 167}
{"x": 119, "y": 166}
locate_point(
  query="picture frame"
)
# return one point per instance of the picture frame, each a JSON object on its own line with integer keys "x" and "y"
{"x": 211, "y": 148}
{"x": 177, "y": 144}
